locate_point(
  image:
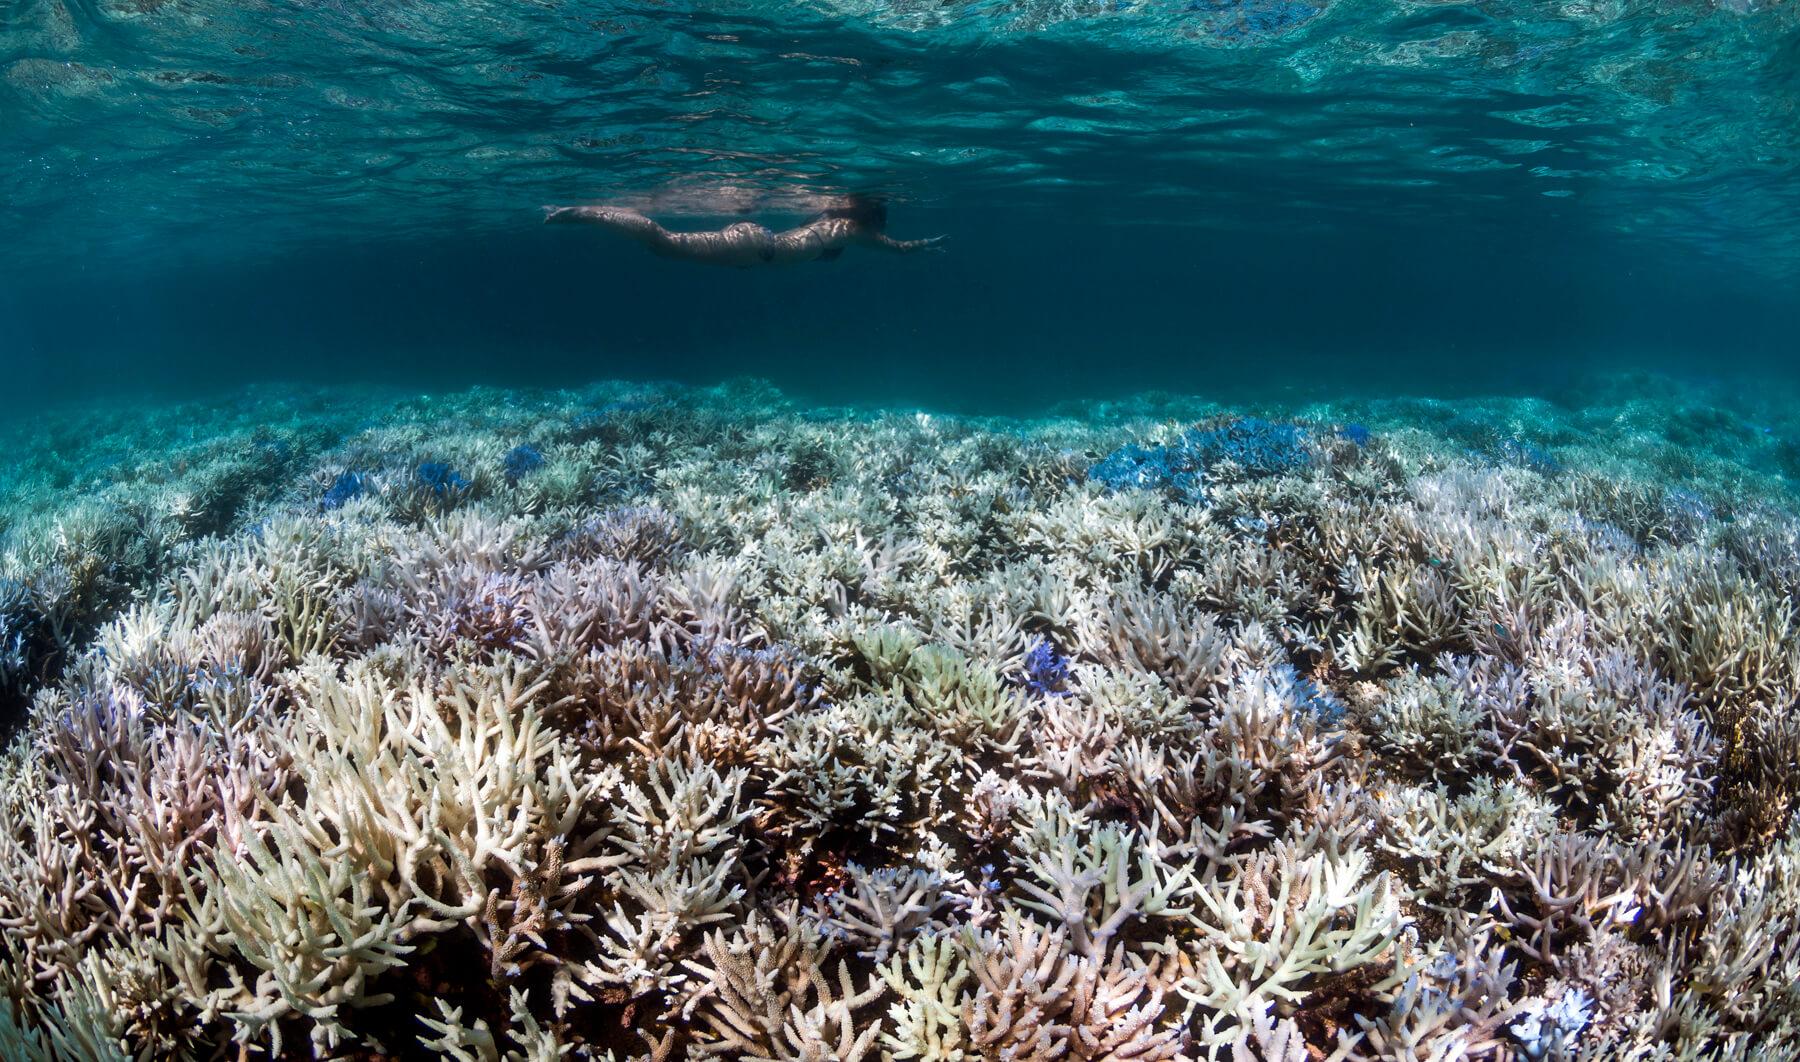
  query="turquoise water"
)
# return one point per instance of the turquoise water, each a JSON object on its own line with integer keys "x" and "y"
{"x": 1262, "y": 194}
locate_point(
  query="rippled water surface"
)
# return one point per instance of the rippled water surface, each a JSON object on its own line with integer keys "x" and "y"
{"x": 1589, "y": 139}
{"x": 1673, "y": 115}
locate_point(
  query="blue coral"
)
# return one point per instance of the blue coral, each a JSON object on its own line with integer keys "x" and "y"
{"x": 1255, "y": 446}
{"x": 1260, "y": 447}
{"x": 1173, "y": 468}
{"x": 346, "y": 488}
{"x": 1308, "y": 696}
{"x": 1549, "y": 1030}
{"x": 1046, "y": 670}
{"x": 440, "y": 478}
{"x": 520, "y": 461}
{"x": 1528, "y": 455}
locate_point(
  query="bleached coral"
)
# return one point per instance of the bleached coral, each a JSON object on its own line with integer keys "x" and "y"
{"x": 726, "y": 733}
{"x": 764, "y": 992}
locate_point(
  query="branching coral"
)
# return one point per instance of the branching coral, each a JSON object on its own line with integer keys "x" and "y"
{"x": 1156, "y": 635}
{"x": 880, "y": 908}
{"x": 1289, "y": 921}
{"x": 709, "y": 731}
{"x": 764, "y": 993}
{"x": 1096, "y": 884}
{"x": 677, "y": 864}
{"x": 308, "y": 923}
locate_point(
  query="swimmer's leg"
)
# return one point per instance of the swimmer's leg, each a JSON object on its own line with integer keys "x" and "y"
{"x": 618, "y": 219}
{"x": 609, "y": 216}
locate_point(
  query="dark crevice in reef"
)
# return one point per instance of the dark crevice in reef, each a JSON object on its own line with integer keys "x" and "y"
{"x": 454, "y": 966}
{"x": 43, "y": 627}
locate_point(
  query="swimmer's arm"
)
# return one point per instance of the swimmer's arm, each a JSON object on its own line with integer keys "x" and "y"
{"x": 888, "y": 243}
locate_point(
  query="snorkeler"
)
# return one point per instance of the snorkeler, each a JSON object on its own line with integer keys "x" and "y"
{"x": 744, "y": 244}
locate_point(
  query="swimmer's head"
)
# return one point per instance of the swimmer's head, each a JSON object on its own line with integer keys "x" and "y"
{"x": 867, "y": 213}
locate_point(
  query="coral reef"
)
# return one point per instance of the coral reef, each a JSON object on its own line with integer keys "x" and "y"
{"x": 715, "y": 728}
{"x": 521, "y": 460}
{"x": 345, "y": 488}
{"x": 1228, "y": 447}
{"x": 440, "y": 479}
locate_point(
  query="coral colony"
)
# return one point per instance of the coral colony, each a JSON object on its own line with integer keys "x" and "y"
{"x": 701, "y": 727}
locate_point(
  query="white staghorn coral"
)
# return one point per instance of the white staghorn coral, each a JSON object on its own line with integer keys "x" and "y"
{"x": 878, "y": 909}
{"x": 1096, "y": 884}
{"x": 1290, "y": 919}
{"x": 1153, "y": 633}
{"x": 676, "y": 866}
{"x": 1455, "y": 846}
{"x": 1034, "y": 998}
{"x": 311, "y": 927}
{"x": 764, "y": 994}
{"x": 927, "y": 1018}
{"x": 730, "y": 734}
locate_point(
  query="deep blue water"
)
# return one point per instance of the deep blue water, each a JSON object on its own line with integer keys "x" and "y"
{"x": 1257, "y": 195}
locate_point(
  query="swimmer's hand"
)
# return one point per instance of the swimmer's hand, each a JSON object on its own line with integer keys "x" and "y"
{"x": 931, "y": 243}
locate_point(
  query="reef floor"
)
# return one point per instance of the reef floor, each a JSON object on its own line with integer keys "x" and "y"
{"x": 652, "y": 722}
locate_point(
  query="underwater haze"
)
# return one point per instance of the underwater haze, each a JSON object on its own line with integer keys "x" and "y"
{"x": 1192, "y": 194}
